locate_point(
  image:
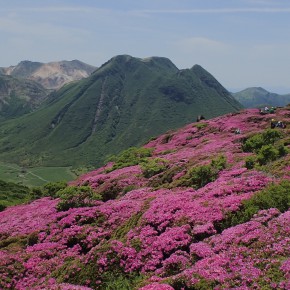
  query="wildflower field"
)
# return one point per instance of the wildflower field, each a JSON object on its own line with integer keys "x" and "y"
{"x": 197, "y": 208}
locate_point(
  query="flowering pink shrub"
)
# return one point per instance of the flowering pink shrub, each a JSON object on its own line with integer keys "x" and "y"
{"x": 166, "y": 236}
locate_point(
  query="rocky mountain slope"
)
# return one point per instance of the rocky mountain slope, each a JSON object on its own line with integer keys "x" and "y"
{"x": 123, "y": 103}
{"x": 198, "y": 208}
{"x": 257, "y": 97}
{"x": 52, "y": 75}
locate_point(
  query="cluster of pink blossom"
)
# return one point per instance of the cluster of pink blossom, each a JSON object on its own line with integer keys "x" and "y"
{"x": 246, "y": 255}
{"x": 166, "y": 233}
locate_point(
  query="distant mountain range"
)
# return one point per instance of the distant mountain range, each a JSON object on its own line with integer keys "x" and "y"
{"x": 52, "y": 75}
{"x": 121, "y": 104}
{"x": 257, "y": 97}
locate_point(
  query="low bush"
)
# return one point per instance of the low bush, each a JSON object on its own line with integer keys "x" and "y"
{"x": 130, "y": 157}
{"x": 265, "y": 146}
{"x": 257, "y": 141}
{"x": 153, "y": 167}
{"x": 51, "y": 188}
{"x": 74, "y": 196}
{"x": 250, "y": 162}
{"x": 199, "y": 176}
{"x": 266, "y": 154}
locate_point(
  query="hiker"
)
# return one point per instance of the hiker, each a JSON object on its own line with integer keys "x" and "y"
{"x": 266, "y": 109}
{"x": 280, "y": 124}
{"x": 238, "y": 131}
{"x": 273, "y": 124}
{"x": 199, "y": 118}
{"x": 272, "y": 110}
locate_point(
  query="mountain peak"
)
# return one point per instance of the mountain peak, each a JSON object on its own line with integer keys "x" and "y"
{"x": 153, "y": 62}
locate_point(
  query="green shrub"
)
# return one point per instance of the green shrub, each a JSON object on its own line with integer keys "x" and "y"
{"x": 165, "y": 178}
{"x": 267, "y": 153}
{"x": 74, "y": 196}
{"x": 111, "y": 191}
{"x": 200, "y": 126}
{"x": 153, "y": 167}
{"x": 282, "y": 150}
{"x": 199, "y": 176}
{"x": 219, "y": 163}
{"x": 130, "y": 157}
{"x": 250, "y": 162}
{"x": 2, "y": 207}
{"x": 257, "y": 141}
{"x": 265, "y": 146}
{"x": 51, "y": 188}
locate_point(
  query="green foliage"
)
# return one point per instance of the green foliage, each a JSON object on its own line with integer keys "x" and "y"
{"x": 121, "y": 280}
{"x": 88, "y": 274}
{"x": 250, "y": 162}
{"x": 12, "y": 194}
{"x": 111, "y": 191}
{"x": 274, "y": 196}
{"x": 153, "y": 166}
{"x": 199, "y": 176}
{"x": 265, "y": 146}
{"x": 267, "y": 153}
{"x": 182, "y": 283}
{"x": 131, "y": 156}
{"x": 51, "y": 188}
{"x": 273, "y": 272}
{"x": 200, "y": 126}
{"x": 165, "y": 178}
{"x": 219, "y": 163}
{"x": 257, "y": 141}
{"x": 76, "y": 196}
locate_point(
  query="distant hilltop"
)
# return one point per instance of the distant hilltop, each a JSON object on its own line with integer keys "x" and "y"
{"x": 257, "y": 97}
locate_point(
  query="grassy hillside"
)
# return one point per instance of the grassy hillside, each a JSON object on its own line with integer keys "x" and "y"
{"x": 124, "y": 103}
{"x": 201, "y": 207}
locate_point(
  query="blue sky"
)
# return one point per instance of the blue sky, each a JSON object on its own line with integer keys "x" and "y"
{"x": 242, "y": 43}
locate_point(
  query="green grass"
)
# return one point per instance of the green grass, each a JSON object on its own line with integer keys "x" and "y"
{"x": 36, "y": 176}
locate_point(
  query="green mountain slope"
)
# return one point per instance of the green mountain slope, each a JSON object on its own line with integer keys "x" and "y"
{"x": 19, "y": 96}
{"x": 258, "y": 97}
{"x": 123, "y": 103}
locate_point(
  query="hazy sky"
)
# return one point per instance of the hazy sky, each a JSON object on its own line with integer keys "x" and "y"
{"x": 242, "y": 43}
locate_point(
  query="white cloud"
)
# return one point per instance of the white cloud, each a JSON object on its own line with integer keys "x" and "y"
{"x": 201, "y": 43}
